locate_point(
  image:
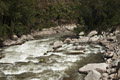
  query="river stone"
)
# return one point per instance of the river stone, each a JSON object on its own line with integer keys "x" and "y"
{"x": 118, "y": 74}
{"x": 23, "y": 38}
{"x": 30, "y": 37}
{"x": 15, "y": 37}
{"x": 81, "y": 33}
{"x": 94, "y": 38}
{"x": 92, "y": 33}
{"x": 83, "y": 39}
{"x": 57, "y": 44}
{"x": 93, "y": 75}
{"x": 68, "y": 40}
{"x": 93, "y": 66}
{"x": 118, "y": 37}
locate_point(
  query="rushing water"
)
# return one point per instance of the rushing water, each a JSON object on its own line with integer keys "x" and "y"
{"x": 32, "y": 61}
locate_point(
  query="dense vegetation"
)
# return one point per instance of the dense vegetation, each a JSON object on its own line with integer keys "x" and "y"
{"x": 22, "y": 16}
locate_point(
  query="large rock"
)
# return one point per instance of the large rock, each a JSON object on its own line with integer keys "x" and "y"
{"x": 94, "y": 38}
{"x": 92, "y": 33}
{"x": 83, "y": 39}
{"x": 79, "y": 47}
{"x": 81, "y": 33}
{"x": 93, "y": 66}
{"x": 23, "y": 38}
{"x": 68, "y": 40}
{"x": 30, "y": 37}
{"x": 93, "y": 75}
{"x": 9, "y": 42}
{"x": 15, "y": 37}
{"x": 57, "y": 44}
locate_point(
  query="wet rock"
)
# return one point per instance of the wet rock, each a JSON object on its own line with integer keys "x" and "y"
{"x": 108, "y": 54}
{"x": 118, "y": 73}
{"x": 93, "y": 75}
{"x": 19, "y": 41}
{"x": 68, "y": 40}
{"x": 79, "y": 47}
{"x": 94, "y": 38}
{"x": 83, "y": 39}
{"x": 113, "y": 38}
{"x": 74, "y": 41}
{"x": 115, "y": 56}
{"x": 76, "y": 52}
{"x": 9, "y": 42}
{"x": 2, "y": 75}
{"x": 93, "y": 66}
{"x": 115, "y": 63}
{"x": 105, "y": 75}
{"x": 92, "y": 33}
{"x": 57, "y": 44}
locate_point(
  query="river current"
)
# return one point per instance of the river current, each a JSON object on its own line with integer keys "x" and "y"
{"x": 36, "y": 60}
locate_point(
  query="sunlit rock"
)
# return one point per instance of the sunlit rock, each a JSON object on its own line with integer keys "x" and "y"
{"x": 15, "y": 37}
{"x": 57, "y": 44}
{"x": 92, "y": 33}
{"x": 93, "y": 66}
{"x": 93, "y": 75}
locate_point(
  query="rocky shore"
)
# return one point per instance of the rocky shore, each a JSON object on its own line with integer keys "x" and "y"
{"x": 110, "y": 69}
{"x": 46, "y": 31}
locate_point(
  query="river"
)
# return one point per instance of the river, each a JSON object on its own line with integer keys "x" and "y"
{"x": 32, "y": 61}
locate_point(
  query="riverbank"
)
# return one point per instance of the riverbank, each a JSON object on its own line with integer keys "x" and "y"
{"x": 110, "y": 70}
{"x": 44, "y": 32}
{"x": 39, "y": 60}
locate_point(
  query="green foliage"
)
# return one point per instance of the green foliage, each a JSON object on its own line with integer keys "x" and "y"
{"x": 21, "y": 16}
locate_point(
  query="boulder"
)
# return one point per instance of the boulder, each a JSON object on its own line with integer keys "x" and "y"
{"x": 118, "y": 73}
{"x": 57, "y": 44}
{"x": 92, "y": 33}
{"x": 93, "y": 75}
{"x": 15, "y": 37}
{"x": 19, "y": 41}
{"x": 68, "y": 40}
{"x": 93, "y": 66}
{"x": 83, "y": 39}
{"x": 94, "y": 38}
{"x": 23, "y": 38}
{"x": 79, "y": 47}
{"x": 9, "y": 42}
{"x": 30, "y": 37}
{"x": 74, "y": 41}
{"x": 113, "y": 38}
{"x": 118, "y": 38}
{"x": 81, "y": 34}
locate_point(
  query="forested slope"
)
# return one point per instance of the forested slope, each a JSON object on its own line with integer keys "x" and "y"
{"x": 21, "y": 16}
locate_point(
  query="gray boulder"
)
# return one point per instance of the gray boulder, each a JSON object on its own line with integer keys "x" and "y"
{"x": 81, "y": 33}
{"x": 94, "y": 38}
{"x": 93, "y": 75}
{"x": 93, "y": 66}
{"x": 92, "y": 33}
{"x": 57, "y": 44}
{"x": 15, "y": 37}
